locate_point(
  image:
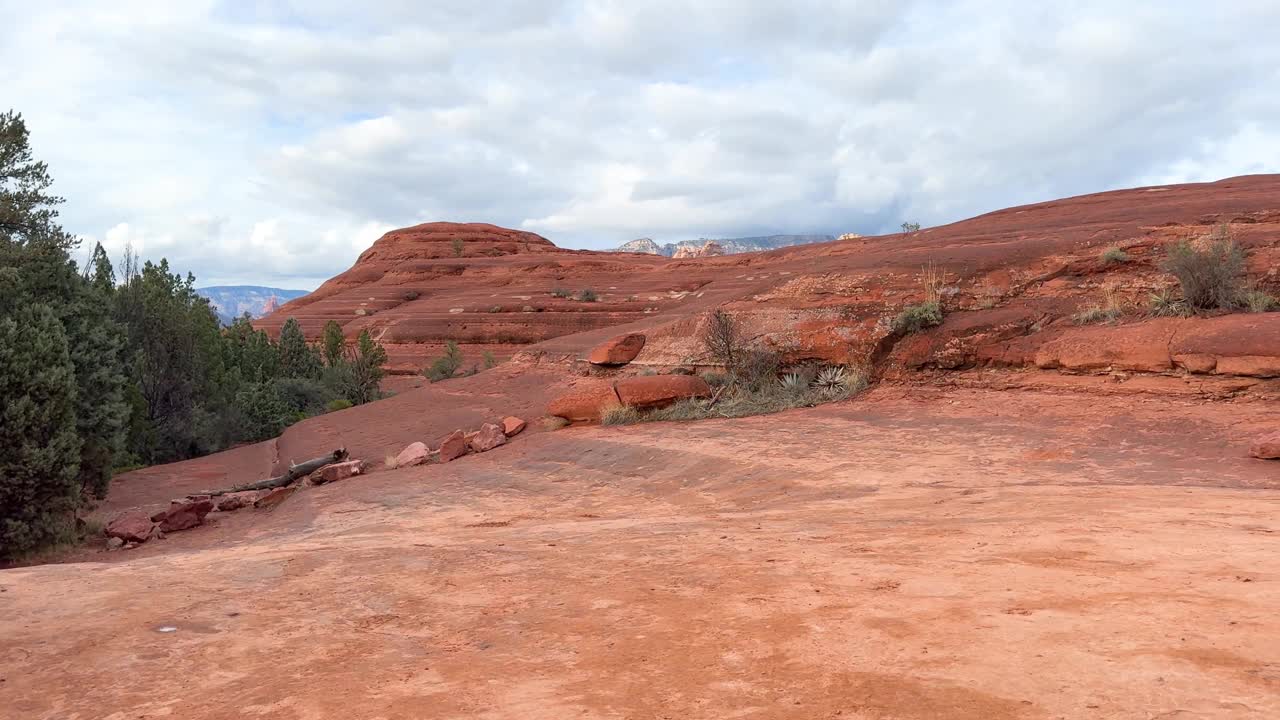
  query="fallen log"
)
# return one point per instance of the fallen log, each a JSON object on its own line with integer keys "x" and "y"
{"x": 295, "y": 471}
{"x": 716, "y": 396}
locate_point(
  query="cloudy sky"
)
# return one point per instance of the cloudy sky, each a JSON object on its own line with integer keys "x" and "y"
{"x": 270, "y": 142}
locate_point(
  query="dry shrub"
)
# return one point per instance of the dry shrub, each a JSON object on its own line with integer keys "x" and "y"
{"x": 1211, "y": 275}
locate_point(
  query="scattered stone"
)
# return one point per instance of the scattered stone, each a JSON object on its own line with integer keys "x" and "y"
{"x": 489, "y": 437}
{"x": 130, "y": 545}
{"x": 660, "y": 390}
{"x": 618, "y": 351}
{"x": 337, "y": 471}
{"x": 131, "y": 526}
{"x": 415, "y": 454}
{"x": 185, "y": 514}
{"x": 1267, "y": 447}
{"x": 512, "y": 426}
{"x": 453, "y": 447}
{"x": 276, "y": 496}
{"x": 114, "y": 543}
{"x": 236, "y": 500}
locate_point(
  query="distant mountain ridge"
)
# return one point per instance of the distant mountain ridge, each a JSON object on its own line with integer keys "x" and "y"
{"x": 730, "y": 246}
{"x": 232, "y": 301}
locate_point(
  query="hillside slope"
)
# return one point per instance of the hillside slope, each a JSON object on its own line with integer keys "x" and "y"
{"x": 1017, "y": 500}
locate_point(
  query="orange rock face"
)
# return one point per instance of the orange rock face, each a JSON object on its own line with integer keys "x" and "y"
{"x": 1267, "y": 448}
{"x": 659, "y": 390}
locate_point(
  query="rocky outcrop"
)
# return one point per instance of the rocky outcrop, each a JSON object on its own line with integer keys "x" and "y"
{"x": 1266, "y": 448}
{"x": 651, "y": 391}
{"x": 589, "y": 401}
{"x": 617, "y": 351}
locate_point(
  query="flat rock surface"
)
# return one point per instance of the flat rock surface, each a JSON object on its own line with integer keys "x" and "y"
{"x": 914, "y": 553}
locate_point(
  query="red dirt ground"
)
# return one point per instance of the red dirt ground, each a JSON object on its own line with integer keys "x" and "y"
{"x": 915, "y": 553}
{"x": 1025, "y": 518}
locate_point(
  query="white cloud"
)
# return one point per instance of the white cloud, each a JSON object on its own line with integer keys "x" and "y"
{"x": 271, "y": 142}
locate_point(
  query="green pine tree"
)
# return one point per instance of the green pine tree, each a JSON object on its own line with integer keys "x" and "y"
{"x": 297, "y": 358}
{"x": 39, "y": 490}
{"x": 33, "y": 244}
{"x": 334, "y": 343}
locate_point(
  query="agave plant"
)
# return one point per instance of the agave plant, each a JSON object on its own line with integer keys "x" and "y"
{"x": 831, "y": 379}
{"x": 792, "y": 382}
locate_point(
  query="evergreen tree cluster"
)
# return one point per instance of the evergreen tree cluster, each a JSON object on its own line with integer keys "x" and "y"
{"x": 100, "y": 371}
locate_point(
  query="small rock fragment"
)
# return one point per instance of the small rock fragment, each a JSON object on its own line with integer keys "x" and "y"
{"x": 277, "y": 495}
{"x": 337, "y": 471}
{"x": 512, "y": 426}
{"x": 236, "y": 500}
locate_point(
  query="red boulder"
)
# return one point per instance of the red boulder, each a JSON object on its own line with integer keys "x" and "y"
{"x": 653, "y": 391}
{"x": 275, "y": 496}
{"x": 131, "y": 526}
{"x": 489, "y": 437}
{"x": 585, "y": 402}
{"x": 1267, "y": 447}
{"x": 454, "y": 446}
{"x": 618, "y": 351}
{"x": 185, "y": 514}
{"x": 415, "y": 454}
{"x": 236, "y": 500}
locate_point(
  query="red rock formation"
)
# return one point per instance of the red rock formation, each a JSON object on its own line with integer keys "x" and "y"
{"x": 1267, "y": 448}
{"x": 1009, "y": 283}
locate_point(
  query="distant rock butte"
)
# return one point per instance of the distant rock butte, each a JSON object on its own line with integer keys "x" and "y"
{"x": 710, "y": 248}
{"x": 725, "y": 246}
